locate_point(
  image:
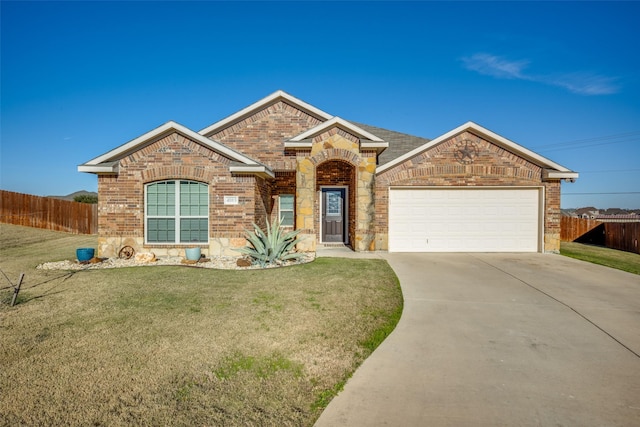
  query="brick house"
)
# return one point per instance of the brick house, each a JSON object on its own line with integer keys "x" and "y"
{"x": 340, "y": 182}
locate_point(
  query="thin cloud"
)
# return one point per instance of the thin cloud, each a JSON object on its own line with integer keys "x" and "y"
{"x": 495, "y": 66}
{"x": 587, "y": 84}
{"x": 503, "y": 68}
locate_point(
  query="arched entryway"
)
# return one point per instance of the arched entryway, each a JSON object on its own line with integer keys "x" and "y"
{"x": 336, "y": 203}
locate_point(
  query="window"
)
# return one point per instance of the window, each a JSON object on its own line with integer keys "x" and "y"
{"x": 286, "y": 209}
{"x": 177, "y": 212}
{"x": 334, "y": 202}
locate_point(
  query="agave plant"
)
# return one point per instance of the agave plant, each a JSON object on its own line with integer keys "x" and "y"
{"x": 273, "y": 246}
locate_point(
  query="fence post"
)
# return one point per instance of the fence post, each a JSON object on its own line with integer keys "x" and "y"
{"x": 16, "y": 290}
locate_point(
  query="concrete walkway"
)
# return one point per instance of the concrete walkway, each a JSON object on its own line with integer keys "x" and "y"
{"x": 502, "y": 340}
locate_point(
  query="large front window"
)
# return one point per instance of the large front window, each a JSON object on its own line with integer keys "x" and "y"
{"x": 177, "y": 212}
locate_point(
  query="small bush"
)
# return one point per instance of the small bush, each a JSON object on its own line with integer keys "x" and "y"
{"x": 86, "y": 198}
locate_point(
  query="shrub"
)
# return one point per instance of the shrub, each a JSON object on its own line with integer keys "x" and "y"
{"x": 86, "y": 198}
{"x": 274, "y": 246}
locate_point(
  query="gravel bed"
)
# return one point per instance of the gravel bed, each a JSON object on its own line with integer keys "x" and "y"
{"x": 222, "y": 263}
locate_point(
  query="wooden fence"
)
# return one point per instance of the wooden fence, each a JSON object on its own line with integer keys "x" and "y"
{"x": 574, "y": 228}
{"x": 624, "y": 236}
{"x": 48, "y": 213}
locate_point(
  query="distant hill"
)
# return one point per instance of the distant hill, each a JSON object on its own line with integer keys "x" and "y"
{"x": 71, "y": 196}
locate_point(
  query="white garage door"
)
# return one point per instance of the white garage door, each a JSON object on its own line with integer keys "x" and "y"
{"x": 464, "y": 220}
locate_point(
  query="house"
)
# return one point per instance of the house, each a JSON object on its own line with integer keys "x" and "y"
{"x": 631, "y": 217}
{"x": 587, "y": 213}
{"x": 339, "y": 181}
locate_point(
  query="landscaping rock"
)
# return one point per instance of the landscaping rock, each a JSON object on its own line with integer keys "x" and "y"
{"x": 222, "y": 263}
{"x": 145, "y": 257}
{"x": 243, "y": 262}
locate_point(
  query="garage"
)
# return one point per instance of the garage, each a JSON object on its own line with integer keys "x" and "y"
{"x": 465, "y": 219}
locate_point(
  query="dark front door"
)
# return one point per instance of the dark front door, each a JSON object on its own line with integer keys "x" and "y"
{"x": 333, "y": 214}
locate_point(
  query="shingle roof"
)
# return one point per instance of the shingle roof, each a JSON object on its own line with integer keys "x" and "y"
{"x": 399, "y": 143}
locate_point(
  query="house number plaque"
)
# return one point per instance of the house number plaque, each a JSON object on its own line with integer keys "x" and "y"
{"x": 230, "y": 200}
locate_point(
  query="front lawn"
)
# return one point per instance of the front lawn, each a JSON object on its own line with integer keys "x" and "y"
{"x": 179, "y": 345}
{"x": 626, "y": 261}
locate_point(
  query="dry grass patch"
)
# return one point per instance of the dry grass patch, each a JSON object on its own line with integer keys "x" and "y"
{"x": 182, "y": 346}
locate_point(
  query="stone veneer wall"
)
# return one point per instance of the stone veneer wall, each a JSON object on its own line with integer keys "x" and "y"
{"x": 494, "y": 166}
{"x": 336, "y": 145}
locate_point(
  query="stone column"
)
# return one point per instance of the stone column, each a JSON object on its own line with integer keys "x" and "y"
{"x": 305, "y": 196}
{"x": 365, "y": 205}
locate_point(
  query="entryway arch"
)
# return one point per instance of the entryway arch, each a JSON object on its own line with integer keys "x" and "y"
{"x": 336, "y": 201}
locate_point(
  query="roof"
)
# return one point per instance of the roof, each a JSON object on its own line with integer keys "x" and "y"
{"x": 393, "y": 147}
{"x": 399, "y": 143}
{"x": 632, "y": 217}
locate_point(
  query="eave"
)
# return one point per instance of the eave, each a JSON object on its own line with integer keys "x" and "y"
{"x": 548, "y": 174}
{"x": 106, "y": 168}
{"x": 257, "y": 170}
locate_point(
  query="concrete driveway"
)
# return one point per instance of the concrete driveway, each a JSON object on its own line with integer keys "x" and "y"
{"x": 502, "y": 340}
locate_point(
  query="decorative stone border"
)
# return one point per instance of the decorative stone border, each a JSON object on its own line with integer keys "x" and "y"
{"x": 220, "y": 263}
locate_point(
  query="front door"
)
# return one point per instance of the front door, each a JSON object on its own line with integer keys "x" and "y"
{"x": 333, "y": 215}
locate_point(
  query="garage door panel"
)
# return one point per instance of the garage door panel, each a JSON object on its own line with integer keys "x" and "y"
{"x": 464, "y": 220}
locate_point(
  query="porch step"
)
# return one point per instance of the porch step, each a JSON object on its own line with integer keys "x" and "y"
{"x": 332, "y": 245}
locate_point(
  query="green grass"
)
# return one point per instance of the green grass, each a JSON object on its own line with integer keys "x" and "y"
{"x": 626, "y": 261}
{"x": 182, "y": 346}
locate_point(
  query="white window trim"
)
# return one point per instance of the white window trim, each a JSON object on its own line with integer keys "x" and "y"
{"x": 293, "y": 209}
{"x": 176, "y": 215}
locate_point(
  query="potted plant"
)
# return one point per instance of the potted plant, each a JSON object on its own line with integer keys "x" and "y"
{"x": 84, "y": 254}
{"x": 193, "y": 254}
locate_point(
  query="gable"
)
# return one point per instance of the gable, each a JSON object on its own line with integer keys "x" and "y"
{"x": 366, "y": 139}
{"x": 171, "y": 157}
{"x": 261, "y": 134}
{"x": 109, "y": 162}
{"x": 253, "y": 109}
{"x": 464, "y": 160}
{"x": 473, "y": 132}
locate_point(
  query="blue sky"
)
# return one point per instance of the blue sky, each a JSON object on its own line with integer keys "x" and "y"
{"x": 560, "y": 78}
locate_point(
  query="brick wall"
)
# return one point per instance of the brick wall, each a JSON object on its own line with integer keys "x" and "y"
{"x": 121, "y": 201}
{"x": 334, "y": 159}
{"x": 552, "y": 216}
{"x": 261, "y": 136}
{"x": 493, "y": 166}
